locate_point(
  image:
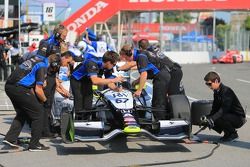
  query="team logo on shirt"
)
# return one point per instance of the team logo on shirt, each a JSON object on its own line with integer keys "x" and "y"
{"x": 93, "y": 67}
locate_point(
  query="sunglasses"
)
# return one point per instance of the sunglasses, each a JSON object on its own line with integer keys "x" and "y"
{"x": 209, "y": 83}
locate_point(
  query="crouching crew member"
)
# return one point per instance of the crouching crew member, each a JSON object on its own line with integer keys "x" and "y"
{"x": 24, "y": 87}
{"x": 227, "y": 114}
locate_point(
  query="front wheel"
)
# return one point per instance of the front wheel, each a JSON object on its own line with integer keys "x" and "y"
{"x": 67, "y": 127}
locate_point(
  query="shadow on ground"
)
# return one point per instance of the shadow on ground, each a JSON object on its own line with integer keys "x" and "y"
{"x": 118, "y": 145}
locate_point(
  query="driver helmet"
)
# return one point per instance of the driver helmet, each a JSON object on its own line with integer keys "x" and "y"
{"x": 82, "y": 46}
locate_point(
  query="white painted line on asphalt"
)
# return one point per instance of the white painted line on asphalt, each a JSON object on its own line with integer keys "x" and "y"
{"x": 242, "y": 80}
{"x": 5, "y": 105}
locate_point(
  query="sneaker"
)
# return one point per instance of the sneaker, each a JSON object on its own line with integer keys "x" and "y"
{"x": 11, "y": 144}
{"x": 39, "y": 147}
{"x": 230, "y": 138}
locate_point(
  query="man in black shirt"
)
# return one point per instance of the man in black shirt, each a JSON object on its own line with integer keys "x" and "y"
{"x": 49, "y": 90}
{"x": 89, "y": 73}
{"x": 227, "y": 113}
{"x": 149, "y": 67}
{"x": 24, "y": 87}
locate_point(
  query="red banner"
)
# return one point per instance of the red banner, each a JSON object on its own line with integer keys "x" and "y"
{"x": 101, "y": 10}
{"x": 93, "y": 12}
{"x": 184, "y": 4}
{"x": 173, "y": 28}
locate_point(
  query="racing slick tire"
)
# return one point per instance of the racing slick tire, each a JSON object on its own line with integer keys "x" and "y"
{"x": 179, "y": 107}
{"x": 67, "y": 127}
{"x": 234, "y": 59}
{"x": 198, "y": 109}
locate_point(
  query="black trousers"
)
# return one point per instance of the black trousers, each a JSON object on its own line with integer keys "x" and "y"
{"x": 174, "y": 84}
{"x": 14, "y": 62}
{"x": 160, "y": 90}
{"x": 83, "y": 93}
{"x": 27, "y": 107}
{"x": 3, "y": 67}
{"x": 228, "y": 123}
{"x": 49, "y": 92}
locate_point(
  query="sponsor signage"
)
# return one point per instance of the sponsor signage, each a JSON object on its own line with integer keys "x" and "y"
{"x": 49, "y": 11}
{"x": 94, "y": 11}
{"x": 173, "y": 28}
{"x": 101, "y": 10}
{"x": 32, "y": 19}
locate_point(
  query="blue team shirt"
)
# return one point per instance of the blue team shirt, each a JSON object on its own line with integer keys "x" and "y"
{"x": 38, "y": 71}
{"x": 91, "y": 67}
{"x": 143, "y": 63}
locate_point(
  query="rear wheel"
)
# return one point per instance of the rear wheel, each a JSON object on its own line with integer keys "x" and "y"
{"x": 234, "y": 59}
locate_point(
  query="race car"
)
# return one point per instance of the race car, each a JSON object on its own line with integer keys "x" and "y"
{"x": 117, "y": 113}
{"x": 231, "y": 56}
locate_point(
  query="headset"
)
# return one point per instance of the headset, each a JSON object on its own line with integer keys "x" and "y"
{"x": 57, "y": 32}
{"x": 55, "y": 64}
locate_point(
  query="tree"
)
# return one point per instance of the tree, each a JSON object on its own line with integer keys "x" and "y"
{"x": 221, "y": 31}
{"x": 175, "y": 17}
{"x": 247, "y": 23}
{"x": 208, "y": 25}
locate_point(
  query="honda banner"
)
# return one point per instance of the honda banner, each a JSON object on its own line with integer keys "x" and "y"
{"x": 101, "y": 10}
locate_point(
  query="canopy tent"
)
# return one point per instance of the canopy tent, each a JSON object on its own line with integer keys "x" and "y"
{"x": 58, "y": 3}
{"x": 194, "y": 37}
{"x": 26, "y": 27}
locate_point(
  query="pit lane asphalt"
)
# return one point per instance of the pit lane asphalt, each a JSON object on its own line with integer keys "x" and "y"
{"x": 135, "y": 152}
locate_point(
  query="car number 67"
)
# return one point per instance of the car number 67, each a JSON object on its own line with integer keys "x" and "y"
{"x": 121, "y": 100}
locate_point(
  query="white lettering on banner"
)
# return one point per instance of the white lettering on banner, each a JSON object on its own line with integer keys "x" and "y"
{"x": 158, "y": 1}
{"x": 86, "y": 16}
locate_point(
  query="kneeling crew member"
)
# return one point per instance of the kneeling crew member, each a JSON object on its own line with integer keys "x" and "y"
{"x": 227, "y": 114}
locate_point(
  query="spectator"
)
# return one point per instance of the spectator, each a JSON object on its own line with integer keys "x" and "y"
{"x": 14, "y": 55}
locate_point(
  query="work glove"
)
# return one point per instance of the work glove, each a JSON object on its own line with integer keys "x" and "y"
{"x": 207, "y": 121}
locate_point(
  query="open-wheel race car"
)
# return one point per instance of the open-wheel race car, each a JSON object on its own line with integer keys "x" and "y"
{"x": 117, "y": 113}
{"x": 231, "y": 57}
